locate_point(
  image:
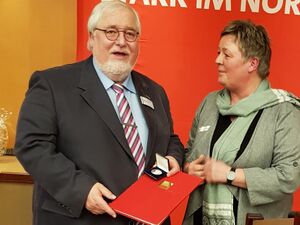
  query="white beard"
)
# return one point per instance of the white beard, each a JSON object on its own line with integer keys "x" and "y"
{"x": 116, "y": 70}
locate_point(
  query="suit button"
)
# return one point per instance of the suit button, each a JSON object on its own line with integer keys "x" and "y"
{"x": 295, "y": 164}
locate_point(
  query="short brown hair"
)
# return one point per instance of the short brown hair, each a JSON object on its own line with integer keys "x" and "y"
{"x": 253, "y": 42}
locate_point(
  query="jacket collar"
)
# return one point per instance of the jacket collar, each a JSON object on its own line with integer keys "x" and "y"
{"x": 95, "y": 95}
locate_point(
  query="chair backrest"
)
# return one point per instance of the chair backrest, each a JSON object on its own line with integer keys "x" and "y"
{"x": 258, "y": 219}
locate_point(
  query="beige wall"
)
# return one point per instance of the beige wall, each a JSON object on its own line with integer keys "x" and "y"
{"x": 15, "y": 206}
{"x": 34, "y": 34}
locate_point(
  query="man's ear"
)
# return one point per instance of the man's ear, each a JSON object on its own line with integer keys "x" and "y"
{"x": 90, "y": 41}
{"x": 253, "y": 64}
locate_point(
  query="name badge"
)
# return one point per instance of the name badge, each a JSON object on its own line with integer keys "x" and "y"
{"x": 147, "y": 102}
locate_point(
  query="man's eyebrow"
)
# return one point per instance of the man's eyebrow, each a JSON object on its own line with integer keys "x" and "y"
{"x": 123, "y": 28}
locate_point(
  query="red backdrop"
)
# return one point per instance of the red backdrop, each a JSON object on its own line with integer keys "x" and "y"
{"x": 179, "y": 45}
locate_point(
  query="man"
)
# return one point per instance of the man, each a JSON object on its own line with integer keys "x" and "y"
{"x": 87, "y": 131}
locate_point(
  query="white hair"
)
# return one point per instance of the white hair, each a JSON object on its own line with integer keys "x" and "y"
{"x": 99, "y": 9}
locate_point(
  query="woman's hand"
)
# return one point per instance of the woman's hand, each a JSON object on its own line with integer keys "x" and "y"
{"x": 215, "y": 171}
{"x": 196, "y": 167}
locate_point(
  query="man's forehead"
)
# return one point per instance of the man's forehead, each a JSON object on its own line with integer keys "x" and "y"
{"x": 118, "y": 18}
{"x": 120, "y": 27}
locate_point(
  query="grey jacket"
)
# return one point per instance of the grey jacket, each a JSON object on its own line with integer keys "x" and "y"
{"x": 271, "y": 161}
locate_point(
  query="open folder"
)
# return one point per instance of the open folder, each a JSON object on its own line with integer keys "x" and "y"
{"x": 151, "y": 201}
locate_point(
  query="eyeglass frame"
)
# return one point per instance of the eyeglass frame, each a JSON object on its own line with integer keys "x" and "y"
{"x": 118, "y": 33}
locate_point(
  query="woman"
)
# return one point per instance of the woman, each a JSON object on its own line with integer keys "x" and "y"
{"x": 245, "y": 139}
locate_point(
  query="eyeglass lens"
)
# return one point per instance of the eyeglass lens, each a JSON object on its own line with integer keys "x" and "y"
{"x": 113, "y": 34}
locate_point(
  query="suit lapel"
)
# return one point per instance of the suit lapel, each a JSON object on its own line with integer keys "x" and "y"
{"x": 143, "y": 90}
{"x": 97, "y": 98}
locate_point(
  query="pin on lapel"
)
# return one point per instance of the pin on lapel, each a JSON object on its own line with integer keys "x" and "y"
{"x": 203, "y": 128}
{"x": 147, "y": 102}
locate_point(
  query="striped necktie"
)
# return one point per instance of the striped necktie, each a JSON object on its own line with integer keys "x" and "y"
{"x": 130, "y": 128}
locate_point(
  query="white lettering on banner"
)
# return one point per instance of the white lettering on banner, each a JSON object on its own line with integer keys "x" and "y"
{"x": 267, "y": 9}
{"x": 132, "y": 2}
{"x": 254, "y": 6}
{"x": 292, "y": 4}
{"x": 162, "y": 2}
{"x": 181, "y": 3}
{"x": 217, "y": 4}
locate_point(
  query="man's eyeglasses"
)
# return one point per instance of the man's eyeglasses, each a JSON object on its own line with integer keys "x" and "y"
{"x": 112, "y": 34}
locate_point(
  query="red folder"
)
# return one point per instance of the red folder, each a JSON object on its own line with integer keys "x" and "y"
{"x": 150, "y": 201}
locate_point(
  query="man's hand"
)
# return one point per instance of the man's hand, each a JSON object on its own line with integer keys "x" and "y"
{"x": 95, "y": 202}
{"x": 174, "y": 166}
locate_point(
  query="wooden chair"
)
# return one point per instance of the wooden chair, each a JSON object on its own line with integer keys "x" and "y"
{"x": 258, "y": 219}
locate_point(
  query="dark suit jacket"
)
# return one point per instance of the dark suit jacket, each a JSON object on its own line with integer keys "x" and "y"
{"x": 69, "y": 137}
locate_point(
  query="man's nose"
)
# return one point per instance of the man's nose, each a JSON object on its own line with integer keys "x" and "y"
{"x": 121, "y": 39}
